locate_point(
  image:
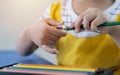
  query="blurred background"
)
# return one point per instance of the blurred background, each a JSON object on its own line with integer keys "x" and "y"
{"x": 15, "y": 15}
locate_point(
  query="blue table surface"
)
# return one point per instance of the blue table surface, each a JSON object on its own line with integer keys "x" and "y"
{"x": 10, "y": 57}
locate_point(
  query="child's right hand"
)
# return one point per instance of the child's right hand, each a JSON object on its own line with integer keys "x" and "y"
{"x": 43, "y": 34}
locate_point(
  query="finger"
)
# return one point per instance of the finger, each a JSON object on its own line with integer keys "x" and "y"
{"x": 96, "y": 22}
{"x": 61, "y": 23}
{"x": 53, "y": 22}
{"x": 86, "y": 21}
{"x": 47, "y": 41}
{"x": 72, "y": 25}
{"x": 38, "y": 43}
{"x": 56, "y": 32}
{"x": 50, "y": 50}
{"x": 78, "y": 23}
{"x": 53, "y": 38}
{"x": 51, "y": 42}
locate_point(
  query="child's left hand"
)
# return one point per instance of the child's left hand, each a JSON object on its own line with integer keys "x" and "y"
{"x": 90, "y": 19}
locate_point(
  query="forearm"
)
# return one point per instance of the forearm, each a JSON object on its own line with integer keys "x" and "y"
{"x": 25, "y": 45}
{"x": 115, "y": 35}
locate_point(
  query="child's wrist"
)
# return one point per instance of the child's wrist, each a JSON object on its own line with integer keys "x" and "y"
{"x": 112, "y": 32}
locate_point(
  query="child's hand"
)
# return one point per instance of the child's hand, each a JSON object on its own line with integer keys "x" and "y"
{"x": 44, "y": 34}
{"x": 90, "y": 19}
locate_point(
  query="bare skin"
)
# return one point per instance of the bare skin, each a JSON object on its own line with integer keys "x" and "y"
{"x": 42, "y": 33}
{"x": 90, "y": 16}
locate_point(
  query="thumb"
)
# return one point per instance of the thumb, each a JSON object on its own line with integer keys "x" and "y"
{"x": 49, "y": 49}
{"x": 53, "y": 22}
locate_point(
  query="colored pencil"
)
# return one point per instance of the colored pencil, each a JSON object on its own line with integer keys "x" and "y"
{"x": 49, "y": 69}
{"x": 106, "y": 24}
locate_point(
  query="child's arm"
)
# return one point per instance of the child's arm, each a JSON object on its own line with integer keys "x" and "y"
{"x": 25, "y": 45}
{"x": 92, "y": 18}
{"x": 41, "y": 34}
{"x": 115, "y": 34}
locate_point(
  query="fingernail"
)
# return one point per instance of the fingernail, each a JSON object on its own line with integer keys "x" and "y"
{"x": 55, "y": 52}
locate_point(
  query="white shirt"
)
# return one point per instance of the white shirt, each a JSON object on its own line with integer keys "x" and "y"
{"x": 69, "y": 16}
